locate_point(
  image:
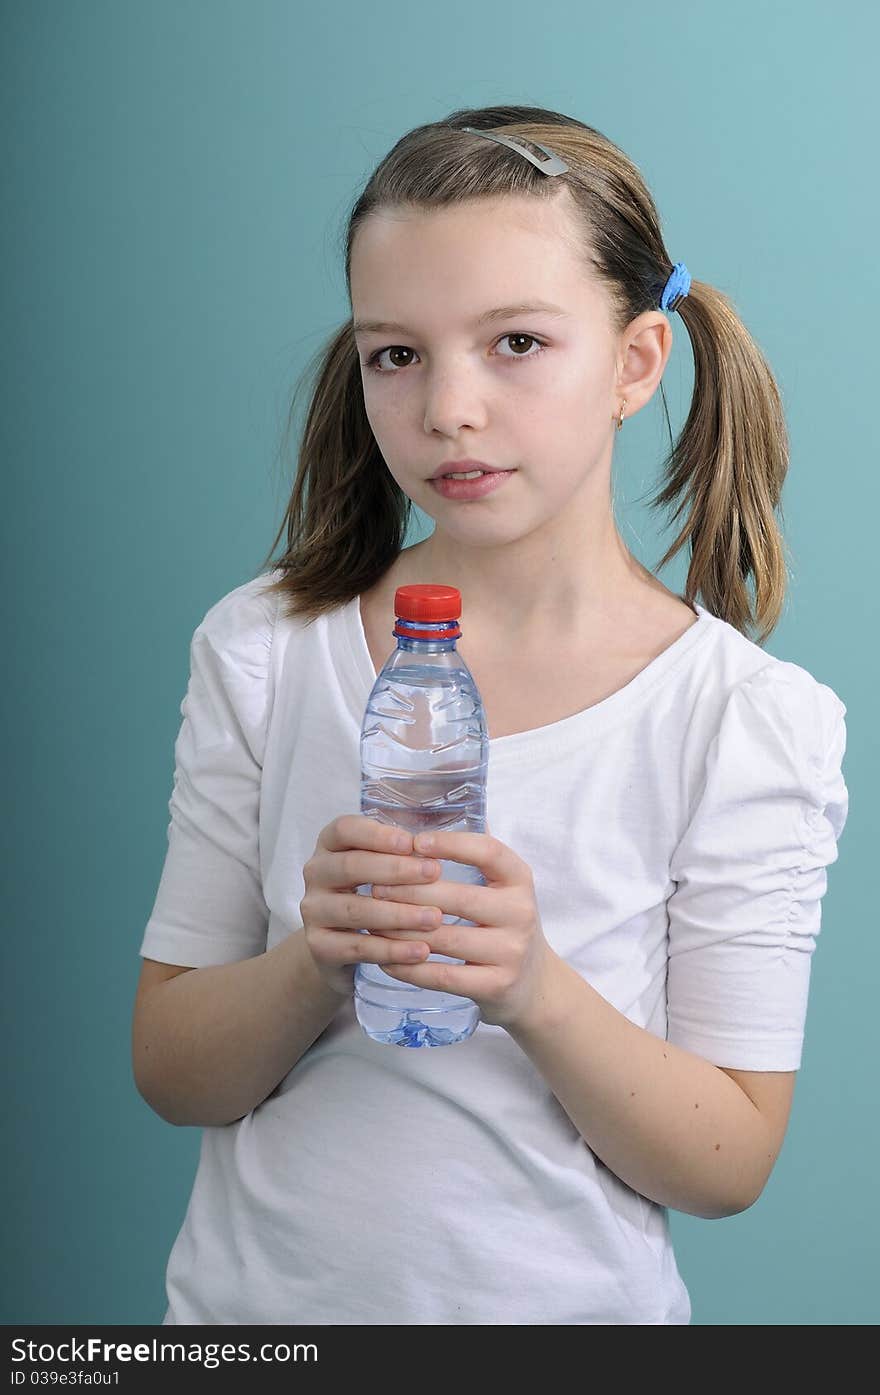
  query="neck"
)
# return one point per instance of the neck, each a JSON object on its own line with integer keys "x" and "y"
{"x": 520, "y": 589}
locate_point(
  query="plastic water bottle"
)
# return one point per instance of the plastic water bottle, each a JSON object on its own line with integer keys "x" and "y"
{"x": 424, "y": 763}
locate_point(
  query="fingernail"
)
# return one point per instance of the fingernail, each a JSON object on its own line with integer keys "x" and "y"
{"x": 423, "y": 842}
{"x": 429, "y": 869}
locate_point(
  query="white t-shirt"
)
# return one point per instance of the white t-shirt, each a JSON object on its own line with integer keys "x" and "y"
{"x": 678, "y": 833}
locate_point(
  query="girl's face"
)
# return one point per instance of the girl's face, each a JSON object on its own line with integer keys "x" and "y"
{"x": 449, "y": 378}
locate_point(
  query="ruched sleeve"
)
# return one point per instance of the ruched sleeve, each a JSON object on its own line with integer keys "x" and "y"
{"x": 750, "y": 872}
{"x": 209, "y": 907}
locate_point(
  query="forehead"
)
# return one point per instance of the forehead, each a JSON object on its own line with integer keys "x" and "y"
{"x": 473, "y": 255}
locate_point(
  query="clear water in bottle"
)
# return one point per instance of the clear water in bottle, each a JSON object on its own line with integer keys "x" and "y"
{"x": 424, "y": 765}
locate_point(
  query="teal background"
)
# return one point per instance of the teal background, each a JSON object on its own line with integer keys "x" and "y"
{"x": 176, "y": 177}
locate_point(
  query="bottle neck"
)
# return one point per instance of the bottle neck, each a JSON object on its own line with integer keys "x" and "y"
{"x": 425, "y": 646}
{"x": 426, "y": 636}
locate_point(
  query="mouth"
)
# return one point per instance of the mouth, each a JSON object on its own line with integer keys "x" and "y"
{"x": 466, "y": 469}
{"x": 473, "y": 486}
{"x": 465, "y": 475}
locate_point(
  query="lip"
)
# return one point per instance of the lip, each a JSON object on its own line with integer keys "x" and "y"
{"x": 461, "y": 467}
{"x": 489, "y": 483}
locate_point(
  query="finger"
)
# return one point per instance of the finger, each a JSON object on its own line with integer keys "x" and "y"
{"x": 475, "y": 944}
{"x": 361, "y": 831}
{"x": 498, "y": 863}
{"x": 369, "y": 913}
{"x": 339, "y": 948}
{"x": 353, "y": 868}
{"x": 480, "y": 904}
{"x": 466, "y": 980}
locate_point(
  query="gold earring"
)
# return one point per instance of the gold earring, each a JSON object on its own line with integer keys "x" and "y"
{"x": 620, "y": 418}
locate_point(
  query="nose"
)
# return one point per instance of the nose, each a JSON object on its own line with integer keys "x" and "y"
{"x": 453, "y": 400}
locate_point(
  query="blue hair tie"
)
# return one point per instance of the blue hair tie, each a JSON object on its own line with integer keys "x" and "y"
{"x": 676, "y": 287}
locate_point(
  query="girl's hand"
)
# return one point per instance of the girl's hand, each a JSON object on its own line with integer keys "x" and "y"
{"x": 508, "y": 964}
{"x": 351, "y": 851}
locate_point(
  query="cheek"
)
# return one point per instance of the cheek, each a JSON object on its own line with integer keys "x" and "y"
{"x": 570, "y": 406}
{"x": 567, "y": 380}
{"x": 384, "y": 407}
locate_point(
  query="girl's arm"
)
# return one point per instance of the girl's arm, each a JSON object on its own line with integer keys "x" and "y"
{"x": 670, "y": 1124}
{"x": 209, "y": 1045}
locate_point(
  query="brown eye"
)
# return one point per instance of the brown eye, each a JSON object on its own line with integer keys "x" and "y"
{"x": 537, "y": 344}
{"x": 393, "y": 349}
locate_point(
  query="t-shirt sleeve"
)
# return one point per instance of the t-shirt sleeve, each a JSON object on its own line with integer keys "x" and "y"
{"x": 209, "y": 907}
{"x": 750, "y": 872}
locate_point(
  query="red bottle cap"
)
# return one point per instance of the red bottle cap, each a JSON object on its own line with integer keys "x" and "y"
{"x": 432, "y": 605}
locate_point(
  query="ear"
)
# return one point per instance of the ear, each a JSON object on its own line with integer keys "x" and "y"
{"x": 645, "y": 347}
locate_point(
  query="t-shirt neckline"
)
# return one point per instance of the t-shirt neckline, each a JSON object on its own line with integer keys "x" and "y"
{"x": 588, "y": 722}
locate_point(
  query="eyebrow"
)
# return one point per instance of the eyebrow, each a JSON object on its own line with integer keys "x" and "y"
{"x": 501, "y": 312}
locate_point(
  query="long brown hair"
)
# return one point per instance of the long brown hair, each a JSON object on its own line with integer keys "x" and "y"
{"x": 347, "y": 518}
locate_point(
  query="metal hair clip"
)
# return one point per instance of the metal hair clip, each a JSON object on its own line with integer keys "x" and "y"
{"x": 553, "y": 164}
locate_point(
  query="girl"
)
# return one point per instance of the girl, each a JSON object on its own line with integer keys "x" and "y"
{"x": 665, "y": 796}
